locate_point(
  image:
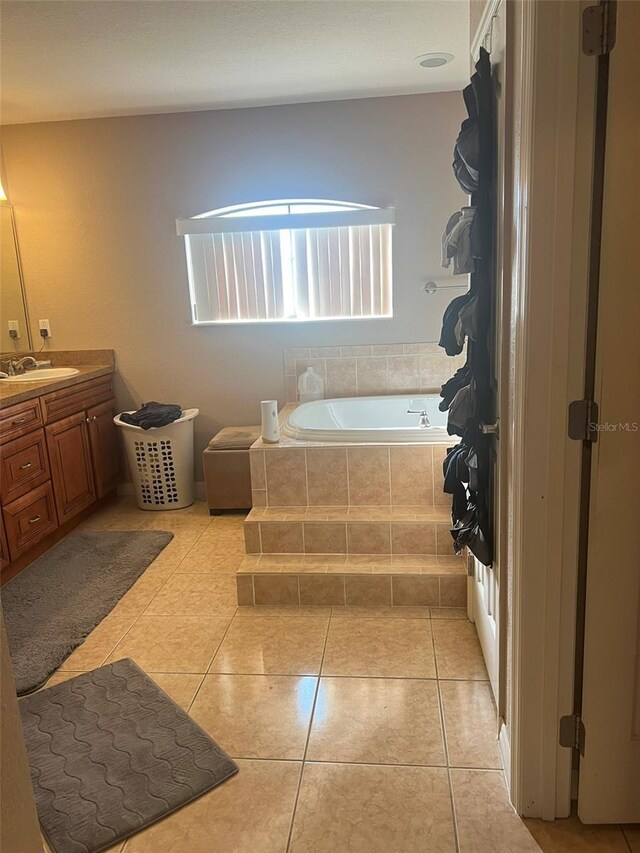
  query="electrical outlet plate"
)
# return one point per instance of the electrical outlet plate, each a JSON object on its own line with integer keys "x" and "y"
{"x": 14, "y": 329}
{"x": 43, "y": 325}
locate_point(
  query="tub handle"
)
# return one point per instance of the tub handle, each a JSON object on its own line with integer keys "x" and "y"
{"x": 424, "y": 417}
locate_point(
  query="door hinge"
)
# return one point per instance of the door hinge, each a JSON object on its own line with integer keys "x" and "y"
{"x": 583, "y": 420}
{"x": 572, "y": 732}
{"x": 599, "y": 28}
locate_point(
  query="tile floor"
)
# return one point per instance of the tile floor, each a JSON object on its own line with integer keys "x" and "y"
{"x": 356, "y": 730}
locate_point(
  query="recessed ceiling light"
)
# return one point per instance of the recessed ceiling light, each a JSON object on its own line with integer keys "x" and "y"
{"x": 434, "y": 60}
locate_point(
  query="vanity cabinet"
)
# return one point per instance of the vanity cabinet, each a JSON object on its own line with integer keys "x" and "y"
{"x": 105, "y": 452}
{"x": 5, "y": 558}
{"x": 70, "y": 455}
{"x": 58, "y": 457}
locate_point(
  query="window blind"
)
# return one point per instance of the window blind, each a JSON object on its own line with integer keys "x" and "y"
{"x": 290, "y": 273}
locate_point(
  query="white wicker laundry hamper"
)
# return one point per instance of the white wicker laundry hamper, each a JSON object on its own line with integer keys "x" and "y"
{"x": 161, "y": 462}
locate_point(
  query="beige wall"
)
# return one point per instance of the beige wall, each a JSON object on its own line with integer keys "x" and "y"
{"x": 95, "y": 203}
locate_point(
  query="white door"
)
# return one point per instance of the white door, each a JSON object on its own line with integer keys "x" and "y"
{"x": 483, "y": 589}
{"x": 609, "y": 783}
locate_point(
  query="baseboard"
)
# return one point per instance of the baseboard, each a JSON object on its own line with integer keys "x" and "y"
{"x": 126, "y": 490}
{"x": 504, "y": 746}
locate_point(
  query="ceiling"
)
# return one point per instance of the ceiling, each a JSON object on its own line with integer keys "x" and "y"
{"x": 89, "y": 58}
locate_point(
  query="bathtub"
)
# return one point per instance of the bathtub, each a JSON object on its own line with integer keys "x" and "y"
{"x": 369, "y": 420}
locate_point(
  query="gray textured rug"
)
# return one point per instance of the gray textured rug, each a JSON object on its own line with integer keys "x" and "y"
{"x": 51, "y": 606}
{"x": 110, "y": 753}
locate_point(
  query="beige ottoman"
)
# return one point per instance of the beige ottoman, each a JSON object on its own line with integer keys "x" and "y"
{"x": 227, "y": 475}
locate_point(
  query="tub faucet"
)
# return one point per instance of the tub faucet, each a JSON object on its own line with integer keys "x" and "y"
{"x": 424, "y": 417}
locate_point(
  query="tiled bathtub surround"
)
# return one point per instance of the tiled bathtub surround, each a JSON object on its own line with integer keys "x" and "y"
{"x": 371, "y": 370}
{"x": 353, "y": 475}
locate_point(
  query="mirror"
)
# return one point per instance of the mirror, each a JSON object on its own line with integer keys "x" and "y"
{"x": 13, "y": 304}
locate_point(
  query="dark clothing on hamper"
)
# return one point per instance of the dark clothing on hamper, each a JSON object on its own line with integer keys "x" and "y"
{"x": 152, "y": 415}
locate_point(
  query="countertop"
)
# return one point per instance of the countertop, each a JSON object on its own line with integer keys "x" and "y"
{"x": 18, "y": 392}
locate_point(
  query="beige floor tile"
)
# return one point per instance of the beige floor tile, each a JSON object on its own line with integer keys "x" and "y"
{"x": 198, "y": 508}
{"x": 175, "y": 551}
{"x": 377, "y": 721}
{"x": 204, "y": 558}
{"x": 119, "y": 515}
{"x": 275, "y": 610}
{"x": 361, "y": 808}
{"x": 134, "y": 602}
{"x": 458, "y": 652}
{"x": 257, "y": 716}
{"x": 264, "y": 645}
{"x": 162, "y": 569}
{"x": 195, "y": 595}
{"x": 180, "y": 686}
{"x": 385, "y": 647}
{"x": 59, "y": 676}
{"x": 178, "y": 522}
{"x": 382, "y": 612}
{"x": 470, "y": 724}
{"x": 571, "y": 835}
{"x": 250, "y": 813}
{"x": 215, "y": 536}
{"x": 229, "y": 519}
{"x": 172, "y": 643}
{"x": 486, "y": 820}
{"x": 448, "y": 612}
{"x": 99, "y": 643}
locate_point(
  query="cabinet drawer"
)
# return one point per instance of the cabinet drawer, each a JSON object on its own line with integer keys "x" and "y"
{"x": 24, "y": 464}
{"x": 18, "y": 419}
{"x": 29, "y": 519}
{"x": 68, "y": 401}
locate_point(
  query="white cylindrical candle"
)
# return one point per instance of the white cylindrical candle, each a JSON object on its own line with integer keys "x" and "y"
{"x": 270, "y": 425}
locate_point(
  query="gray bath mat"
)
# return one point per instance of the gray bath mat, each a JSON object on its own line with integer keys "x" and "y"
{"x": 51, "y": 606}
{"x": 110, "y": 753}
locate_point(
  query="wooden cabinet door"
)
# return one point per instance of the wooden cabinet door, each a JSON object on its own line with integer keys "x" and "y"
{"x": 70, "y": 458}
{"x": 104, "y": 447}
{"x": 5, "y": 558}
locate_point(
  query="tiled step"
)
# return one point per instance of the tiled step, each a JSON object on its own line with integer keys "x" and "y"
{"x": 347, "y": 530}
{"x": 396, "y": 580}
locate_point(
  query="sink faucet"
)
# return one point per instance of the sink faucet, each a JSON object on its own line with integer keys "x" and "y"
{"x": 20, "y": 365}
{"x": 424, "y": 417}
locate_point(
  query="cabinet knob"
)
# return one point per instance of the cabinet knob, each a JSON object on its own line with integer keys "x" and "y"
{"x": 25, "y": 466}
{"x": 34, "y": 519}
{"x": 18, "y": 421}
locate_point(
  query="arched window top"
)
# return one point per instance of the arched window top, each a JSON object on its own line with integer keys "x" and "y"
{"x": 288, "y": 213}
{"x": 285, "y": 206}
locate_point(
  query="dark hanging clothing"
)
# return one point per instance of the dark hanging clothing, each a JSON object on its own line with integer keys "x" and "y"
{"x": 468, "y": 395}
{"x": 152, "y": 415}
{"x": 460, "y": 378}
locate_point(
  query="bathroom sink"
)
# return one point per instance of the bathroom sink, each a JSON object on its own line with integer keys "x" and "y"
{"x": 44, "y": 373}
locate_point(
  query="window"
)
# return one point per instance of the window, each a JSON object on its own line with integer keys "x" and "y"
{"x": 291, "y": 260}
